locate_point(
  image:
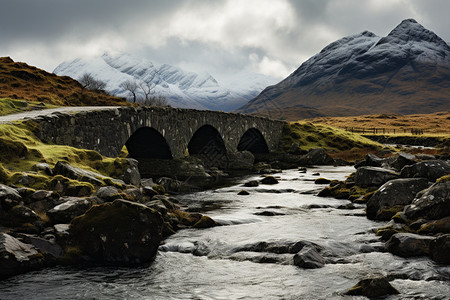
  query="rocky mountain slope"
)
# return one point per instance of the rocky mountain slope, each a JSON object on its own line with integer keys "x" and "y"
{"x": 181, "y": 88}
{"x": 406, "y": 72}
{"x": 21, "y": 81}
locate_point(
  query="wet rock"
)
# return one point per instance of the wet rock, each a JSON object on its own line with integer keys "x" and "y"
{"x": 243, "y": 193}
{"x": 398, "y": 161}
{"x": 430, "y": 169}
{"x": 49, "y": 248}
{"x": 309, "y": 258}
{"x": 373, "y": 176}
{"x": 157, "y": 205}
{"x": 251, "y": 183}
{"x": 433, "y": 203}
{"x": 70, "y": 208}
{"x": 322, "y": 181}
{"x": 437, "y": 226}
{"x": 372, "y": 288}
{"x": 278, "y": 247}
{"x": 396, "y": 192}
{"x": 205, "y": 222}
{"x": 269, "y": 180}
{"x": 131, "y": 174}
{"x": 269, "y": 213}
{"x": 440, "y": 249}
{"x": 409, "y": 244}
{"x": 103, "y": 234}
{"x": 17, "y": 257}
{"x": 317, "y": 157}
{"x": 302, "y": 170}
{"x": 241, "y": 160}
{"x": 97, "y": 179}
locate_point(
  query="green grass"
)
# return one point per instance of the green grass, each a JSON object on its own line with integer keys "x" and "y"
{"x": 11, "y": 106}
{"x": 21, "y": 149}
{"x": 309, "y": 136}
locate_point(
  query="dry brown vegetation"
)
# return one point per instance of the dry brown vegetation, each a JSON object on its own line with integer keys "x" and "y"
{"x": 431, "y": 124}
{"x": 21, "y": 81}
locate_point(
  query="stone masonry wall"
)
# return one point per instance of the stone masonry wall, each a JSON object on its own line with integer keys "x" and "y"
{"x": 106, "y": 131}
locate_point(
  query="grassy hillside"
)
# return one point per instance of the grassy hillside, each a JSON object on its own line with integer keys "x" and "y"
{"x": 21, "y": 81}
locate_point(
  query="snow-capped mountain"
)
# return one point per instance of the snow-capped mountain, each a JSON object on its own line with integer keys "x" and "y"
{"x": 181, "y": 88}
{"x": 408, "y": 71}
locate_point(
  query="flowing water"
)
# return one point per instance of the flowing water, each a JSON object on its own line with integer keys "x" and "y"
{"x": 220, "y": 262}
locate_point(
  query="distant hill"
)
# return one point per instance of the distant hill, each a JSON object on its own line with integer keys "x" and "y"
{"x": 406, "y": 72}
{"x": 181, "y": 88}
{"x": 21, "y": 81}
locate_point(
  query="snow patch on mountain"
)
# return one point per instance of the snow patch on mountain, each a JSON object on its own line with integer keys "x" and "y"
{"x": 181, "y": 88}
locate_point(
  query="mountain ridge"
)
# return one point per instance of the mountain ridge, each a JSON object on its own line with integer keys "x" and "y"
{"x": 406, "y": 72}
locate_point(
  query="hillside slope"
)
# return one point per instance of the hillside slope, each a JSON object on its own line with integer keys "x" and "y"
{"x": 406, "y": 72}
{"x": 21, "y": 81}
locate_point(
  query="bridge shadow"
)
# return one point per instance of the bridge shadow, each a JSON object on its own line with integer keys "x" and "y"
{"x": 146, "y": 143}
{"x": 253, "y": 140}
{"x": 208, "y": 145}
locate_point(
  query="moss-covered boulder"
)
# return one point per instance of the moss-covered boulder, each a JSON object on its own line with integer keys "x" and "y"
{"x": 117, "y": 233}
{"x": 436, "y": 226}
{"x": 394, "y": 193}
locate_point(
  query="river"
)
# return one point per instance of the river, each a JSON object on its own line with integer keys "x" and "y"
{"x": 212, "y": 264}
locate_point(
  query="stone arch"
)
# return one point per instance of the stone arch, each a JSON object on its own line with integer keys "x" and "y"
{"x": 206, "y": 141}
{"x": 147, "y": 142}
{"x": 253, "y": 140}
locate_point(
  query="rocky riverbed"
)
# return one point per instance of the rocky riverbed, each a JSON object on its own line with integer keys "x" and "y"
{"x": 263, "y": 220}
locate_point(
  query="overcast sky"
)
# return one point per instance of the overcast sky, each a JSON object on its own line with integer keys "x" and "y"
{"x": 221, "y": 37}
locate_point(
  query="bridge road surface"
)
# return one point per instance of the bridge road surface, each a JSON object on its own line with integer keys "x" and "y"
{"x": 46, "y": 112}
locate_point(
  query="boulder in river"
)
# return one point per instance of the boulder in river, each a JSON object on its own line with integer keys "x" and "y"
{"x": 409, "y": 244}
{"x": 396, "y": 192}
{"x": 373, "y": 176}
{"x": 269, "y": 180}
{"x": 398, "y": 161}
{"x": 117, "y": 233}
{"x": 373, "y": 288}
{"x": 251, "y": 183}
{"x": 17, "y": 257}
{"x": 431, "y": 169}
{"x": 309, "y": 258}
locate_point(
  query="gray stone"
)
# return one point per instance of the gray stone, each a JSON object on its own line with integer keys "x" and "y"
{"x": 394, "y": 192}
{"x": 134, "y": 194}
{"x": 108, "y": 193}
{"x": 433, "y": 204}
{"x": 43, "y": 167}
{"x": 317, "y": 157}
{"x": 103, "y": 234}
{"x": 398, "y": 161}
{"x": 269, "y": 180}
{"x": 373, "y": 176}
{"x": 42, "y": 245}
{"x": 440, "y": 249}
{"x": 17, "y": 257}
{"x": 132, "y": 175}
{"x": 7, "y": 192}
{"x": 70, "y": 208}
{"x": 409, "y": 244}
{"x": 21, "y": 214}
{"x": 431, "y": 169}
{"x": 251, "y": 183}
{"x": 309, "y": 258}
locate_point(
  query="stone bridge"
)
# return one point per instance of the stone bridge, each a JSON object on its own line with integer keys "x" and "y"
{"x": 161, "y": 132}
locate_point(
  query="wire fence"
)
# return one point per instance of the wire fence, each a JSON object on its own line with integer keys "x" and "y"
{"x": 374, "y": 130}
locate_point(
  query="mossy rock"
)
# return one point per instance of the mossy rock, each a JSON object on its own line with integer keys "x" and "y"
{"x": 205, "y": 222}
{"x": 12, "y": 150}
{"x": 436, "y": 226}
{"x": 444, "y": 178}
{"x": 386, "y": 213}
{"x": 159, "y": 189}
{"x": 372, "y": 288}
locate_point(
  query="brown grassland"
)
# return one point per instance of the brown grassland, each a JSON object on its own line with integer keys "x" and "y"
{"x": 437, "y": 124}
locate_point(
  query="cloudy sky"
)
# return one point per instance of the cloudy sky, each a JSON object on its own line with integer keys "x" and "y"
{"x": 221, "y": 37}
